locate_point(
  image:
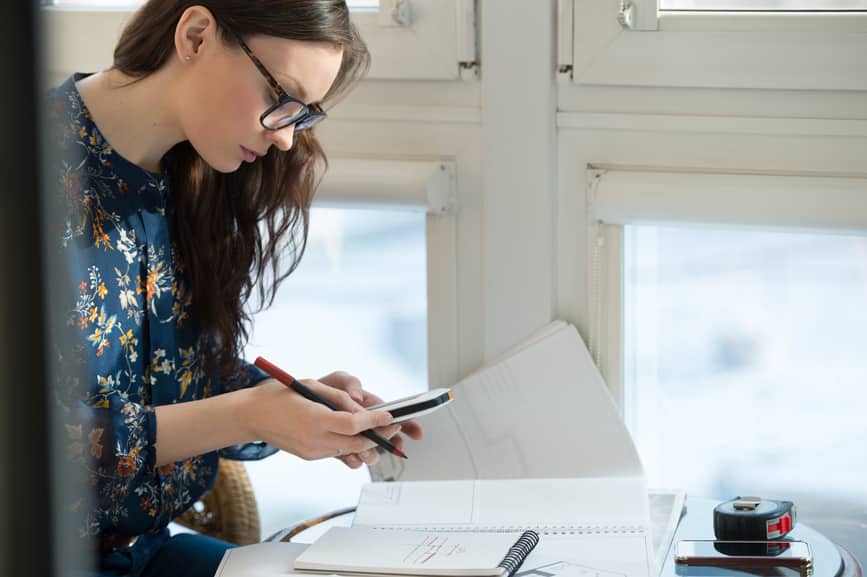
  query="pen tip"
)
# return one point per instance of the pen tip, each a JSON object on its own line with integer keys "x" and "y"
{"x": 400, "y": 453}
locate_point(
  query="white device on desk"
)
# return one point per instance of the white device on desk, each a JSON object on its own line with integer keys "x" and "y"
{"x": 415, "y": 405}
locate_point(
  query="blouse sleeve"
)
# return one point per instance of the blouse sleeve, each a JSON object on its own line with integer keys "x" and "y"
{"x": 109, "y": 434}
{"x": 248, "y": 375}
{"x": 114, "y": 441}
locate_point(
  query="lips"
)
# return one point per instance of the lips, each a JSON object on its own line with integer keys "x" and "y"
{"x": 249, "y": 155}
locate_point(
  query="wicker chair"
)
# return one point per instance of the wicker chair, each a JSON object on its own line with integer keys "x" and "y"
{"x": 228, "y": 511}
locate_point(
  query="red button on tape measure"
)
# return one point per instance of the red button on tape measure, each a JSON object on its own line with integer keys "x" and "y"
{"x": 753, "y": 518}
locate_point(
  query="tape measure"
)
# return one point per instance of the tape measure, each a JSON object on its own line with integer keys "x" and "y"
{"x": 753, "y": 518}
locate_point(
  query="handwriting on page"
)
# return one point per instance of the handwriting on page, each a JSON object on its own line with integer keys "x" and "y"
{"x": 430, "y": 547}
{"x": 565, "y": 569}
{"x": 381, "y": 494}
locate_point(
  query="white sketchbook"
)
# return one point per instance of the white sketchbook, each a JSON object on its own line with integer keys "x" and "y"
{"x": 541, "y": 410}
{"x": 368, "y": 551}
{"x": 538, "y": 416}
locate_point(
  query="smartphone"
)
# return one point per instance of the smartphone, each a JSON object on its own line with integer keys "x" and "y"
{"x": 795, "y": 554}
{"x": 415, "y": 406}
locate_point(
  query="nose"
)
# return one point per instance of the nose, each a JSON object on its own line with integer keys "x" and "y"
{"x": 284, "y": 138}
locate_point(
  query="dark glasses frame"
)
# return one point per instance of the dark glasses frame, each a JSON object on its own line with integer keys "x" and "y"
{"x": 309, "y": 116}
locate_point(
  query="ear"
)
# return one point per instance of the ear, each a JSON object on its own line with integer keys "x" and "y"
{"x": 195, "y": 33}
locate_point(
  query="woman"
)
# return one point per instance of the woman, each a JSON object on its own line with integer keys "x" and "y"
{"x": 188, "y": 169}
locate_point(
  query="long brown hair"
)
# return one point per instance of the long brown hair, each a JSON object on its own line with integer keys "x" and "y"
{"x": 235, "y": 229}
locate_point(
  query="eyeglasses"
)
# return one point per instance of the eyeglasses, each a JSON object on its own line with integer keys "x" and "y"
{"x": 288, "y": 110}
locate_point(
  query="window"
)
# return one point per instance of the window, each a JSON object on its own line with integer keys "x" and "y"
{"x": 354, "y": 4}
{"x": 757, "y": 5}
{"x": 744, "y": 365}
{"x": 727, "y": 318}
{"x": 408, "y": 39}
{"x": 357, "y": 302}
{"x": 816, "y": 49}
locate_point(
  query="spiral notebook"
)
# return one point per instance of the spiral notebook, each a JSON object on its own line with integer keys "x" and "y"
{"x": 369, "y": 551}
{"x": 601, "y": 522}
{"x": 533, "y": 440}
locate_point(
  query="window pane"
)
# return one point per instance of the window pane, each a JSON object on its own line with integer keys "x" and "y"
{"x": 363, "y": 4}
{"x": 745, "y": 367}
{"x": 99, "y": 3}
{"x": 353, "y": 4}
{"x": 764, "y": 5}
{"x": 357, "y": 302}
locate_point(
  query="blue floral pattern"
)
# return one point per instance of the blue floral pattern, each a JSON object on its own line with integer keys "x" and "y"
{"x": 136, "y": 341}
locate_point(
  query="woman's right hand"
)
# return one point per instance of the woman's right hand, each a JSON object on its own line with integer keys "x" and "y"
{"x": 274, "y": 413}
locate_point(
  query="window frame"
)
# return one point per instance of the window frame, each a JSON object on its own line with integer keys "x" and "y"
{"x": 590, "y": 145}
{"x": 712, "y": 49}
{"x": 423, "y": 185}
{"x": 438, "y": 44}
{"x": 623, "y": 196}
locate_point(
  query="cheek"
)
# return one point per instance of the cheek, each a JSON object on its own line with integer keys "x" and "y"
{"x": 229, "y": 118}
{"x": 240, "y": 107}
{"x": 228, "y": 110}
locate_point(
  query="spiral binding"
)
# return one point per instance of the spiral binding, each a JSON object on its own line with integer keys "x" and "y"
{"x": 519, "y": 551}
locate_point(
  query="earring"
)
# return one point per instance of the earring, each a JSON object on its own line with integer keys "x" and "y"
{"x": 188, "y": 57}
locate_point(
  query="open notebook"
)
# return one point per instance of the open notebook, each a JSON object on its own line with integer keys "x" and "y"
{"x": 604, "y": 520}
{"x": 540, "y": 414}
{"x": 367, "y": 551}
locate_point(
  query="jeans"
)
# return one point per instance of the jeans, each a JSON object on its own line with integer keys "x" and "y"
{"x": 162, "y": 555}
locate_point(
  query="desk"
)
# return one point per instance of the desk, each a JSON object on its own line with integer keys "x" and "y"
{"x": 829, "y": 560}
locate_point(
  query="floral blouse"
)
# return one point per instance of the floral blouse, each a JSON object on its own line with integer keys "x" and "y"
{"x": 136, "y": 345}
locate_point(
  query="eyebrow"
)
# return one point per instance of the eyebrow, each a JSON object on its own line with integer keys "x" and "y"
{"x": 298, "y": 92}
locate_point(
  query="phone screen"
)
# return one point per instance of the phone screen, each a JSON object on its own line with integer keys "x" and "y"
{"x": 787, "y": 549}
{"x": 743, "y": 553}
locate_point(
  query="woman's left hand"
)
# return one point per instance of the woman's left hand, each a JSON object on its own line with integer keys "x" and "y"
{"x": 352, "y": 386}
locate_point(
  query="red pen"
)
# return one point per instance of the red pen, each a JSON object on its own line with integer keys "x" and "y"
{"x": 308, "y": 394}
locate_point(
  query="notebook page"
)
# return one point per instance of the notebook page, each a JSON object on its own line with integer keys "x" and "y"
{"x": 260, "y": 560}
{"x": 586, "y": 505}
{"x": 590, "y": 556}
{"x": 542, "y": 411}
{"x": 419, "y": 503}
{"x": 367, "y": 550}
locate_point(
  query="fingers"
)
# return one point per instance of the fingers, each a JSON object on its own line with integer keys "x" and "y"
{"x": 354, "y": 423}
{"x": 353, "y": 456}
{"x": 340, "y": 398}
{"x": 412, "y": 430}
{"x": 389, "y": 431}
{"x": 351, "y": 461}
{"x": 397, "y": 441}
{"x": 356, "y": 460}
{"x": 345, "y": 382}
{"x": 369, "y": 457}
{"x": 370, "y": 399}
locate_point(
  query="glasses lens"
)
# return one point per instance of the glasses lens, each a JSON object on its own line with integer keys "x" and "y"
{"x": 284, "y": 115}
{"x": 309, "y": 121}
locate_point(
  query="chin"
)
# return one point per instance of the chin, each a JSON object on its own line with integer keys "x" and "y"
{"x": 219, "y": 162}
{"x": 224, "y": 166}
{"x": 229, "y": 168}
